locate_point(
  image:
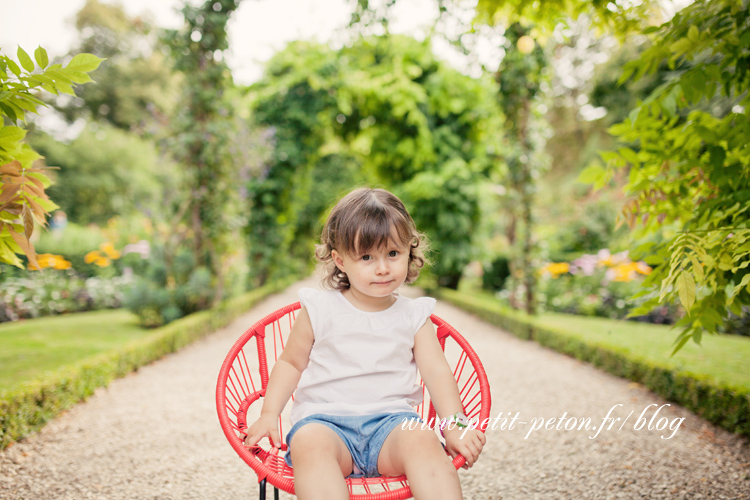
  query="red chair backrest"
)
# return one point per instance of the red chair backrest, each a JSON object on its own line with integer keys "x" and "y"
{"x": 244, "y": 376}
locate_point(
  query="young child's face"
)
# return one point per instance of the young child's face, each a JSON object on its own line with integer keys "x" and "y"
{"x": 377, "y": 272}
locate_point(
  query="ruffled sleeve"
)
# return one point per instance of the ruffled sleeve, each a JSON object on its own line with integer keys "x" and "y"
{"x": 312, "y": 300}
{"x": 421, "y": 310}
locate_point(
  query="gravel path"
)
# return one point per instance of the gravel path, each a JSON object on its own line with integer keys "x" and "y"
{"x": 155, "y": 434}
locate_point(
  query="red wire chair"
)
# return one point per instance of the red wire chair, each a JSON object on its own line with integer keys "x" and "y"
{"x": 244, "y": 376}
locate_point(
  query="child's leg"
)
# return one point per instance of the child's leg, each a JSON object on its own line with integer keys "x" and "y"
{"x": 321, "y": 461}
{"x": 419, "y": 454}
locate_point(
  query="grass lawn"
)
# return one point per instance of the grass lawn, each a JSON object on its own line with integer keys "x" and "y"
{"x": 721, "y": 357}
{"x": 29, "y": 348}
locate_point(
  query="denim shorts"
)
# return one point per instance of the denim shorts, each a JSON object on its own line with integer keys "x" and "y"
{"x": 363, "y": 435}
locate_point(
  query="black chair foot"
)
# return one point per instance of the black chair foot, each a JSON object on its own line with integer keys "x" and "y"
{"x": 263, "y": 491}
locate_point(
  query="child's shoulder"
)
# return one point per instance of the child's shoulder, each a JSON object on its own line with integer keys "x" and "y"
{"x": 419, "y": 300}
{"x": 311, "y": 296}
{"x": 421, "y": 305}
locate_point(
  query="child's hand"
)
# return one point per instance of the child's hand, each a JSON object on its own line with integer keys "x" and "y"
{"x": 470, "y": 445}
{"x": 266, "y": 426}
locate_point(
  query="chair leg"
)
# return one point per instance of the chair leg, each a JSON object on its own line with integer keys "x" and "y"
{"x": 263, "y": 491}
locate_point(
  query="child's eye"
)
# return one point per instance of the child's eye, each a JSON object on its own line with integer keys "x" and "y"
{"x": 366, "y": 257}
{"x": 393, "y": 253}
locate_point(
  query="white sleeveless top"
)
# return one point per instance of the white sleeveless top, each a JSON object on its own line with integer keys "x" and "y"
{"x": 361, "y": 362}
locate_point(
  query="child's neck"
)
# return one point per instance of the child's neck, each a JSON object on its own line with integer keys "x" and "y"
{"x": 368, "y": 303}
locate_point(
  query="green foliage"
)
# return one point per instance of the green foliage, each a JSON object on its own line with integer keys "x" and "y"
{"x": 723, "y": 400}
{"x": 689, "y": 165}
{"x": 25, "y": 408}
{"x": 495, "y": 274}
{"x": 520, "y": 77}
{"x": 620, "y": 98}
{"x": 58, "y": 292}
{"x": 106, "y": 172}
{"x": 295, "y": 100}
{"x": 75, "y": 240}
{"x": 595, "y": 295}
{"x": 591, "y": 226}
{"x": 136, "y": 87}
{"x": 150, "y": 303}
{"x": 384, "y": 112}
{"x": 170, "y": 286}
{"x": 615, "y": 17}
{"x": 204, "y": 132}
{"x": 22, "y": 198}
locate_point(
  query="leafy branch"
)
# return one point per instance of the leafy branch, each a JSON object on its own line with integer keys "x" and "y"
{"x": 23, "y": 200}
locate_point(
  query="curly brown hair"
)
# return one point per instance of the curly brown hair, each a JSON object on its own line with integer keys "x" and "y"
{"x": 362, "y": 220}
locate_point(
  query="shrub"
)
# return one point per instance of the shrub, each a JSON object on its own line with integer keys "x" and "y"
{"x": 724, "y": 405}
{"x": 495, "y": 274}
{"x": 58, "y": 291}
{"x": 601, "y": 284}
{"x": 27, "y": 408}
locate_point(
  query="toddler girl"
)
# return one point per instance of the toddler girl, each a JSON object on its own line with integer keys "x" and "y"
{"x": 352, "y": 356}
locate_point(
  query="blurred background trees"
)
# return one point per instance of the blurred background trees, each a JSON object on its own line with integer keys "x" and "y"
{"x": 227, "y": 190}
{"x": 136, "y": 88}
{"x": 382, "y": 112}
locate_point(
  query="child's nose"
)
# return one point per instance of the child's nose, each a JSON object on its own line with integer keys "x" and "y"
{"x": 382, "y": 267}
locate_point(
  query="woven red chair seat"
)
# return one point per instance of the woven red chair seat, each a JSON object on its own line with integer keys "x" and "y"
{"x": 244, "y": 376}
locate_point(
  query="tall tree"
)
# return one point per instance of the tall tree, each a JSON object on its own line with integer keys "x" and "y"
{"x": 136, "y": 88}
{"x": 520, "y": 76}
{"x": 204, "y": 132}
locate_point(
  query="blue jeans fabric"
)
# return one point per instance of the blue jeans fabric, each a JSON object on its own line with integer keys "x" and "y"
{"x": 363, "y": 436}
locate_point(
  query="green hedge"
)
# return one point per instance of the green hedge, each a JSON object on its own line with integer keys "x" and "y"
{"x": 26, "y": 409}
{"x": 723, "y": 405}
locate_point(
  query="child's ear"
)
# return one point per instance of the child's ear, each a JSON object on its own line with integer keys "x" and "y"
{"x": 337, "y": 260}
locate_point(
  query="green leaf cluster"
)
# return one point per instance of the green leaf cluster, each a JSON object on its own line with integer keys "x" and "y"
{"x": 686, "y": 149}
{"x": 621, "y": 18}
{"x": 22, "y": 198}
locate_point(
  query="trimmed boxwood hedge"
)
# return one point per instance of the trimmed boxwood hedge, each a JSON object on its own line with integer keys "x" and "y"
{"x": 723, "y": 405}
{"x": 27, "y": 408}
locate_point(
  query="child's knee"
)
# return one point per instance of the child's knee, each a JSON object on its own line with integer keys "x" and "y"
{"x": 422, "y": 445}
{"x": 312, "y": 439}
{"x": 317, "y": 444}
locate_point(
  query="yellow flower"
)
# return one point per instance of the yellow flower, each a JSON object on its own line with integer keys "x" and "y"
{"x": 625, "y": 271}
{"x": 643, "y": 268}
{"x": 44, "y": 259}
{"x": 102, "y": 261}
{"x": 556, "y": 268}
{"x": 92, "y": 256}
{"x": 49, "y": 260}
{"x": 62, "y": 264}
{"x": 109, "y": 249}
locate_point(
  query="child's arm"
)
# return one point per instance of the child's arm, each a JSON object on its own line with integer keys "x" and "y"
{"x": 441, "y": 384}
{"x": 283, "y": 380}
